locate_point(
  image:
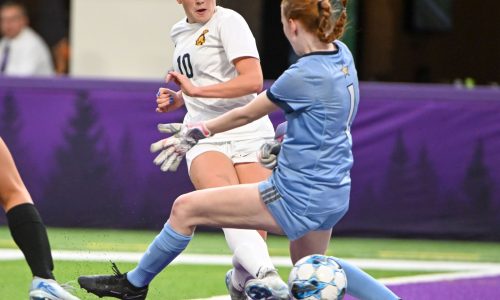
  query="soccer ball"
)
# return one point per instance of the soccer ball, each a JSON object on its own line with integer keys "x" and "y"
{"x": 317, "y": 277}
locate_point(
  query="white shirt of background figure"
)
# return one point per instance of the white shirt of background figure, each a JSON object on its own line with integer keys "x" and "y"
{"x": 28, "y": 55}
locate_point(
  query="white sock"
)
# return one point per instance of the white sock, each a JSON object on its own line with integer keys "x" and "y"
{"x": 239, "y": 276}
{"x": 249, "y": 251}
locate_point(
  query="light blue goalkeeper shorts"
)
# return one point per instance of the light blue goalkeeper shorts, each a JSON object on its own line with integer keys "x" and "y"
{"x": 293, "y": 224}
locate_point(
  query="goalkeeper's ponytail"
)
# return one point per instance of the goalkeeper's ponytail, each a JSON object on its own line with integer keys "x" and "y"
{"x": 326, "y": 18}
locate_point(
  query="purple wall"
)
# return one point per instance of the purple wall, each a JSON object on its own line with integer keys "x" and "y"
{"x": 427, "y": 157}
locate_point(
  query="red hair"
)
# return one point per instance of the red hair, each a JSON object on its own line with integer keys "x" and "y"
{"x": 318, "y": 16}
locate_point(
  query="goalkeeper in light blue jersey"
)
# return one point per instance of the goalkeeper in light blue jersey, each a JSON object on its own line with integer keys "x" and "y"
{"x": 308, "y": 191}
{"x": 319, "y": 95}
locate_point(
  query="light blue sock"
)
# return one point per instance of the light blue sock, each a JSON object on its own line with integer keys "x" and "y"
{"x": 363, "y": 286}
{"x": 164, "y": 248}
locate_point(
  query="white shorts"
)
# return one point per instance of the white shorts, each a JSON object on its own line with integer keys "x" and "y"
{"x": 238, "y": 151}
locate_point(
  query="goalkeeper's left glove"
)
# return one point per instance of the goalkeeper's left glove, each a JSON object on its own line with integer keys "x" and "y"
{"x": 173, "y": 149}
{"x": 268, "y": 152}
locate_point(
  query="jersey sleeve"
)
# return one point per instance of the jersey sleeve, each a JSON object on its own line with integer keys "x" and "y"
{"x": 290, "y": 92}
{"x": 237, "y": 38}
{"x": 176, "y": 30}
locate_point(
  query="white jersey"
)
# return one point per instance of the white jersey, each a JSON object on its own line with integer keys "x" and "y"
{"x": 204, "y": 53}
{"x": 28, "y": 55}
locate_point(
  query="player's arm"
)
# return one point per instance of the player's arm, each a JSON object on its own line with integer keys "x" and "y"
{"x": 249, "y": 80}
{"x": 237, "y": 117}
{"x": 185, "y": 136}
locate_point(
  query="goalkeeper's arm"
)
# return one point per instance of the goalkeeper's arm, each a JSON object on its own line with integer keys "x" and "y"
{"x": 259, "y": 107}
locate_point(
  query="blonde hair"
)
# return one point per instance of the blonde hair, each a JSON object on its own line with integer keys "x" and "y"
{"x": 327, "y": 20}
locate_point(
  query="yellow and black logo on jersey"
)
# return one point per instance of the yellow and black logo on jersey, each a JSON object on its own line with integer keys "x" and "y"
{"x": 345, "y": 70}
{"x": 201, "y": 39}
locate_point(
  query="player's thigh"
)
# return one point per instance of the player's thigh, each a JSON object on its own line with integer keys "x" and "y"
{"x": 251, "y": 172}
{"x": 236, "y": 206}
{"x": 314, "y": 242}
{"x": 212, "y": 169}
{"x": 12, "y": 189}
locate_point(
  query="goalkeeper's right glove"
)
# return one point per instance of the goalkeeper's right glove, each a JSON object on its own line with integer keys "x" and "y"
{"x": 174, "y": 148}
{"x": 268, "y": 152}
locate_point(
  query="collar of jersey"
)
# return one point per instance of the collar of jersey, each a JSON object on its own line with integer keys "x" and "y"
{"x": 324, "y": 52}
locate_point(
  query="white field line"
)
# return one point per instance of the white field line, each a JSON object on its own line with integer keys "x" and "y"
{"x": 440, "y": 277}
{"x": 461, "y": 270}
{"x": 416, "y": 279}
{"x": 280, "y": 261}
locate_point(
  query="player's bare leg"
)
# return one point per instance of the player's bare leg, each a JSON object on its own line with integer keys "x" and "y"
{"x": 212, "y": 207}
{"x": 255, "y": 288}
{"x": 360, "y": 284}
{"x": 215, "y": 207}
{"x": 28, "y": 231}
{"x": 252, "y": 173}
{"x": 250, "y": 254}
{"x": 12, "y": 189}
{"x": 314, "y": 242}
{"x": 234, "y": 206}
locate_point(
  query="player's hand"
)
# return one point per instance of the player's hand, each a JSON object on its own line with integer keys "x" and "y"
{"x": 168, "y": 100}
{"x": 268, "y": 153}
{"x": 187, "y": 87}
{"x": 173, "y": 149}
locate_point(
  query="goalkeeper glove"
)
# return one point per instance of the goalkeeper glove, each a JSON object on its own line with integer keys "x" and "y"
{"x": 268, "y": 152}
{"x": 173, "y": 148}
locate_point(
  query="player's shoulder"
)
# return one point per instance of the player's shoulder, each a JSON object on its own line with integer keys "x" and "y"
{"x": 225, "y": 15}
{"x": 343, "y": 48}
{"x": 340, "y": 44}
{"x": 179, "y": 27}
{"x": 290, "y": 80}
{"x": 29, "y": 40}
{"x": 28, "y": 34}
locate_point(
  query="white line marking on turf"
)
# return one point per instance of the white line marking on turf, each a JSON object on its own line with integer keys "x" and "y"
{"x": 279, "y": 261}
{"x": 440, "y": 277}
{"x": 416, "y": 279}
{"x": 462, "y": 270}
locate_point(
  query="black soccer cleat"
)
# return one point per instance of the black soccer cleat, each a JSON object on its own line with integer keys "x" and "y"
{"x": 116, "y": 286}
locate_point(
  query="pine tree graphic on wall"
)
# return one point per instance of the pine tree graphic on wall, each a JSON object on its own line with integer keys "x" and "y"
{"x": 82, "y": 174}
{"x": 10, "y": 124}
{"x": 128, "y": 178}
{"x": 367, "y": 212}
{"x": 478, "y": 184}
{"x": 399, "y": 189}
{"x": 11, "y": 127}
{"x": 427, "y": 183}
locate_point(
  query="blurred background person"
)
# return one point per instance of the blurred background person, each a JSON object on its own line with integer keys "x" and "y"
{"x": 22, "y": 51}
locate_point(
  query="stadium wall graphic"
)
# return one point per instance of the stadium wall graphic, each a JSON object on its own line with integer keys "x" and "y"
{"x": 427, "y": 157}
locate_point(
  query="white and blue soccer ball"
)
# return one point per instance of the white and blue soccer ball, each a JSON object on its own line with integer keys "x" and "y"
{"x": 317, "y": 277}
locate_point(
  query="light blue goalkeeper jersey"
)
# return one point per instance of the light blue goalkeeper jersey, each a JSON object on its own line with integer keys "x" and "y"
{"x": 320, "y": 95}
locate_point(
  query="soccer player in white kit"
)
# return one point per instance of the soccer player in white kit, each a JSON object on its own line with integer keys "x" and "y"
{"x": 216, "y": 51}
